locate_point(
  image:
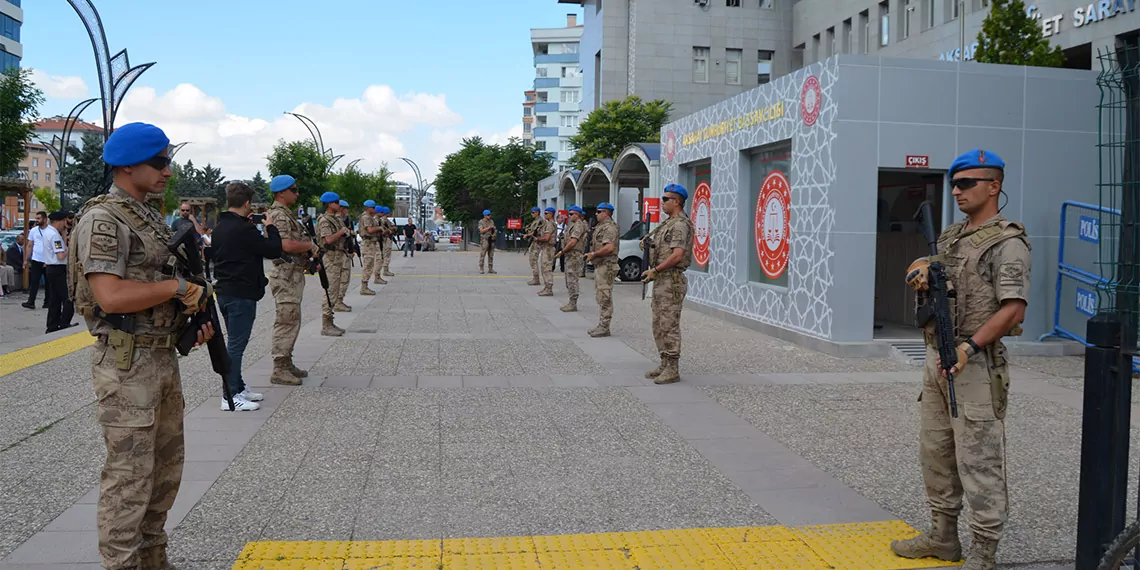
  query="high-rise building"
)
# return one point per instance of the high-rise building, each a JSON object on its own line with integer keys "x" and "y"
{"x": 693, "y": 53}
{"x": 11, "y": 18}
{"x": 528, "y": 117}
{"x": 557, "y": 89}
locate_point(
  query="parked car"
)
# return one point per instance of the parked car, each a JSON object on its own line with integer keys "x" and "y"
{"x": 456, "y": 236}
{"x": 629, "y": 254}
{"x": 8, "y": 237}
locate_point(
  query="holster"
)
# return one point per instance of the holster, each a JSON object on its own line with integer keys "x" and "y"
{"x": 998, "y": 367}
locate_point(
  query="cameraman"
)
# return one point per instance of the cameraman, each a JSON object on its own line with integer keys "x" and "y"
{"x": 240, "y": 272}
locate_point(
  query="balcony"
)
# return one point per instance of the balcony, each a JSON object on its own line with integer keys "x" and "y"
{"x": 540, "y": 82}
{"x": 545, "y": 107}
{"x": 546, "y": 131}
{"x": 556, "y": 58}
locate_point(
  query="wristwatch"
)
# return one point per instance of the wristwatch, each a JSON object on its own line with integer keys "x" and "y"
{"x": 974, "y": 348}
{"x": 182, "y": 287}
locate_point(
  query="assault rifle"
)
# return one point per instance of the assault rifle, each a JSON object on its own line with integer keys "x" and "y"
{"x": 184, "y": 246}
{"x": 938, "y": 304}
{"x": 318, "y": 264}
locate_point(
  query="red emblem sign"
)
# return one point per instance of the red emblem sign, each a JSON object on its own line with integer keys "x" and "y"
{"x": 702, "y": 222}
{"x": 562, "y": 214}
{"x": 773, "y": 208}
{"x": 652, "y": 210}
{"x": 670, "y": 145}
{"x": 514, "y": 223}
{"x": 811, "y": 100}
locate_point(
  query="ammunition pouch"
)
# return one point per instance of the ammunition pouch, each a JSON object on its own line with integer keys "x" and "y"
{"x": 998, "y": 367}
{"x": 122, "y": 341}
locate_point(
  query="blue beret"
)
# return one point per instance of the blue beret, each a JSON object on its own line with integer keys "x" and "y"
{"x": 133, "y": 143}
{"x": 281, "y": 182}
{"x": 577, "y": 209}
{"x": 536, "y": 209}
{"x": 486, "y": 212}
{"x": 678, "y": 189}
{"x": 976, "y": 158}
{"x": 387, "y": 210}
{"x": 378, "y": 209}
{"x": 606, "y": 206}
{"x": 551, "y": 209}
{"x": 344, "y": 203}
{"x": 328, "y": 197}
{"x": 370, "y": 203}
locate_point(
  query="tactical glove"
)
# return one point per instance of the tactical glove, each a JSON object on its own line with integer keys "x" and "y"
{"x": 918, "y": 273}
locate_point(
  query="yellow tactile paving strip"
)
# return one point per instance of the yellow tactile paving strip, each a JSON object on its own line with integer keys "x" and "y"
{"x": 33, "y": 355}
{"x": 853, "y": 546}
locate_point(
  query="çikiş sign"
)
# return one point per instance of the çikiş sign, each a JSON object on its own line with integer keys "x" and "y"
{"x": 1083, "y": 15}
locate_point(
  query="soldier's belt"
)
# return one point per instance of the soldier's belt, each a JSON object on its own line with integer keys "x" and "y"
{"x": 154, "y": 341}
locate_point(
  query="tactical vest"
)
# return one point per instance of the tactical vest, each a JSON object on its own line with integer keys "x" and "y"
{"x": 596, "y": 237}
{"x": 660, "y": 254}
{"x": 975, "y": 298}
{"x": 367, "y": 221}
{"x": 337, "y": 245}
{"x": 157, "y": 264}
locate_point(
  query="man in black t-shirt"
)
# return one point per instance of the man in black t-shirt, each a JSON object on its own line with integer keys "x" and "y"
{"x": 410, "y": 238}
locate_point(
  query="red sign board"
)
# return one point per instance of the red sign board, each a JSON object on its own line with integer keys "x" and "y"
{"x": 652, "y": 209}
{"x": 564, "y": 213}
{"x": 514, "y": 223}
{"x": 917, "y": 161}
{"x": 702, "y": 209}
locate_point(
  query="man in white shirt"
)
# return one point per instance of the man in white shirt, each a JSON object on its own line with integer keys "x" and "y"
{"x": 60, "y": 308}
{"x": 34, "y": 256}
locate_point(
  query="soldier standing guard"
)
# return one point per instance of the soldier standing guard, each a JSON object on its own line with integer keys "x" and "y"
{"x": 346, "y": 265}
{"x": 287, "y": 280}
{"x": 386, "y": 244}
{"x": 547, "y": 231}
{"x": 575, "y": 238}
{"x": 370, "y": 250}
{"x": 670, "y": 254}
{"x": 331, "y": 232}
{"x": 533, "y": 249}
{"x": 487, "y": 242}
{"x": 604, "y": 241}
{"x": 119, "y": 268}
{"x": 987, "y": 260}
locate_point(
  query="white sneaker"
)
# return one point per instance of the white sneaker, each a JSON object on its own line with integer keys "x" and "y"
{"x": 241, "y": 404}
{"x": 251, "y": 396}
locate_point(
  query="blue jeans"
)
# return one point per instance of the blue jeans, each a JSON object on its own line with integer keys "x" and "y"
{"x": 239, "y": 314}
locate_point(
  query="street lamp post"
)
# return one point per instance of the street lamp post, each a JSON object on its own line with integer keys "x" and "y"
{"x": 59, "y": 145}
{"x": 419, "y": 189}
{"x": 317, "y": 139}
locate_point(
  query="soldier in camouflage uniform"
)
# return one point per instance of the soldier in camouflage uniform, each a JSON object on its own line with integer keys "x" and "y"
{"x": 119, "y": 267}
{"x": 330, "y": 234}
{"x": 575, "y": 245}
{"x": 385, "y": 244}
{"x": 604, "y": 242}
{"x": 671, "y": 252}
{"x": 349, "y": 255}
{"x": 987, "y": 261}
{"x": 368, "y": 225}
{"x": 287, "y": 280}
{"x": 546, "y": 235}
{"x": 487, "y": 231}
{"x": 533, "y": 250}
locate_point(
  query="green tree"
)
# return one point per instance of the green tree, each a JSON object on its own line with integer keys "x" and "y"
{"x": 302, "y": 161}
{"x": 170, "y": 197}
{"x": 47, "y": 198}
{"x": 260, "y": 185}
{"x": 381, "y": 187}
{"x": 19, "y": 105}
{"x": 1011, "y": 37}
{"x": 501, "y": 178}
{"x": 453, "y": 192}
{"x": 352, "y": 186}
{"x": 83, "y": 175}
{"x": 616, "y": 124}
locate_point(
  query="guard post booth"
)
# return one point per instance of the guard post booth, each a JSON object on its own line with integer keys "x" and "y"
{"x": 803, "y": 191}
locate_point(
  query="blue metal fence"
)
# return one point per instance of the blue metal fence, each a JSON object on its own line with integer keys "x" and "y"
{"x": 1078, "y": 277}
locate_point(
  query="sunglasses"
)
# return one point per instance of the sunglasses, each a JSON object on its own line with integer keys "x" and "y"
{"x": 967, "y": 183}
{"x": 157, "y": 162}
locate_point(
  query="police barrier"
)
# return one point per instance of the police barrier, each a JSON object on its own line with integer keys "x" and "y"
{"x": 1084, "y": 232}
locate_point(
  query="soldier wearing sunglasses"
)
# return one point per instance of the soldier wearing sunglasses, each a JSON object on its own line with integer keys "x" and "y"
{"x": 987, "y": 263}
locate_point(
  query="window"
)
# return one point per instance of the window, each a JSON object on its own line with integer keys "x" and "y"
{"x": 570, "y": 121}
{"x": 908, "y": 11}
{"x": 771, "y": 225}
{"x": 47, "y": 162}
{"x": 9, "y": 27}
{"x": 569, "y": 48}
{"x": 47, "y": 176}
{"x": 766, "y": 4}
{"x": 848, "y": 37}
{"x": 566, "y": 146}
{"x": 527, "y": 111}
{"x": 526, "y": 127}
{"x": 571, "y": 96}
{"x": 701, "y": 64}
{"x": 571, "y": 71}
{"x": 540, "y": 145}
{"x": 953, "y": 9}
{"x": 929, "y": 13}
{"x": 732, "y": 60}
{"x": 884, "y": 23}
{"x": 865, "y": 18}
{"x": 540, "y": 72}
{"x": 35, "y": 163}
{"x": 831, "y": 42}
{"x": 732, "y": 3}
{"x": 764, "y": 66}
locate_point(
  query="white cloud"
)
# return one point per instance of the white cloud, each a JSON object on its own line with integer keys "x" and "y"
{"x": 58, "y": 86}
{"x": 378, "y": 126}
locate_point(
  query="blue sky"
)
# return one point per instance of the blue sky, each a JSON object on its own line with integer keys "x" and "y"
{"x": 226, "y": 71}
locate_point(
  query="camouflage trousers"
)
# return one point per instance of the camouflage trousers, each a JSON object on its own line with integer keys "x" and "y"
{"x": 669, "y": 291}
{"x": 287, "y": 284}
{"x": 345, "y": 277}
{"x": 574, "y": 265}
{"x": 140, "y": 411}
{"x": 372, "y": 260}
{"x": 547, "y": 267}
{"x": 532, "y": 256}
{"x": 967, "y": 453}
{"x": 604, "y": 274}
{"x": 385, "y": 256}
{"x": 486, "y": 250}
{"x": 334, "y": 260}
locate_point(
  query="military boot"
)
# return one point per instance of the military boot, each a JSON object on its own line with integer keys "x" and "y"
{"x": 657, "y": 371}
{"x": 941, "y": 542}
{"x": 534, "y": 281}
{"x": 281, "y": 373}
{"x": 154, "y": 558}
{"x": 492, "y": 271}
{"x": 599, "y": 331}
{"x": 329, "y": 329}
{"x": 379, "y": 280}
{"x": 340, "y": 307}
{"x": 983, "y": 554}
{"x": 388, "y": 273}
{"x": 570, "y": 307}
{"x": 547, "y": 291}
{"x": 296, "y": 371}
{"x": 364, "y": 290}
{"x": 669, "y": 374}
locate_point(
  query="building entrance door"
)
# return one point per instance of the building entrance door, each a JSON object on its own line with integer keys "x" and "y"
{"x": 899, "y": 242}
